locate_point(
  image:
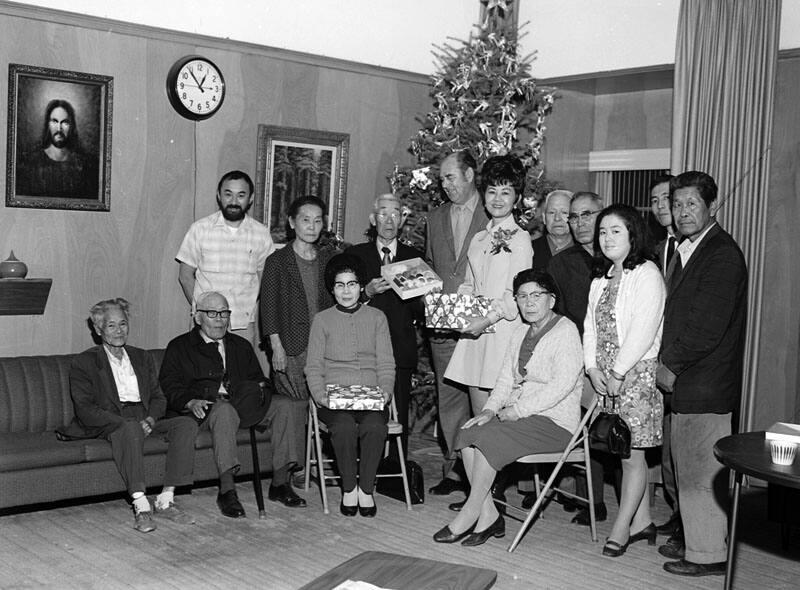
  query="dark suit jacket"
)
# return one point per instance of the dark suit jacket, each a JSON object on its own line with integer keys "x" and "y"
{"x": 98, "y": 409}
{"x": 704, "y": 324}
{"x": 440, "y": 249}
{"x": 399, "y": 313}
{"x": 192, "y": 368}
{"x": 571, "y": 269}
{"x": 284, "y": 308}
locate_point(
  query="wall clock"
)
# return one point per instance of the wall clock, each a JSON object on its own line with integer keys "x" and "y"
{"x": 195, "y": 87}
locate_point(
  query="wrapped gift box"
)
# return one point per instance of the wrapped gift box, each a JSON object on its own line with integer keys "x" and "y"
{"x": 354, "y": 397}
{"x": 452, "y": 311}
{"x": 410, "y": 278}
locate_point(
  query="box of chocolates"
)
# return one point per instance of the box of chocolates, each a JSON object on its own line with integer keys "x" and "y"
{"x": 411, "y": 278}
{"x": 453, "y": 311}
{"x": 354, "y": 397}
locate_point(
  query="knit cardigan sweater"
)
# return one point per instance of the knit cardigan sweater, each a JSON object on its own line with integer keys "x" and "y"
{"x": 640, "y": 317}
{"x": 349, "y": 349}
{"x": 553, "y": 382}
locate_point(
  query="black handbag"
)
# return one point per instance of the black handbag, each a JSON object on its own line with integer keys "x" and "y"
{"x": 393, "y": 486}
{"x": 609, "y": 432}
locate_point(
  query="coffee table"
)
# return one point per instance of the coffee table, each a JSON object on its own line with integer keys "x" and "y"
{"x": 389, "y": 570}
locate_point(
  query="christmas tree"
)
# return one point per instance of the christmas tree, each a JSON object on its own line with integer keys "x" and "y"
{"x": 486, "y": 101}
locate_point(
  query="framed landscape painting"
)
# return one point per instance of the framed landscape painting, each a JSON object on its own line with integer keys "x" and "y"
{"x": 59, "y": 139}
{"x": 296, "y": 163}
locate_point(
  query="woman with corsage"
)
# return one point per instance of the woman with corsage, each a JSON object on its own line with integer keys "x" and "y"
{"x": 621, "y": 338}
{"x": 533, "y": 408}
{"x": 495, "y": 255}
{"x": 350, "y": 345}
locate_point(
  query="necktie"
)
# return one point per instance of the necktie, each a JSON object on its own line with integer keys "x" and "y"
{"x": 670, "y": 251}
{"x": 674, "y": 271}
{"x": 387, "y": 256}
{"x": 460, "y": 227}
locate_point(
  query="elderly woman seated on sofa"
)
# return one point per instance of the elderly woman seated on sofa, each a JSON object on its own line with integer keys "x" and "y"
{"x": 534, "y": 406}
{"x": 350, "y": 345}
{"x": 115, "y": 391}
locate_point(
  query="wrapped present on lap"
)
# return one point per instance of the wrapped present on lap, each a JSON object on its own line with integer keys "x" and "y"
{"x": 411, "y": 278}
{"x": 453, "y": 311}
{"x": 354, "y": 397}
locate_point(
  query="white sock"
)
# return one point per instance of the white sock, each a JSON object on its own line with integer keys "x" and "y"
{"x": 140, "y": 502}
{"x": 350, "y": 498}
{"x": 164, "y": 499}
{"x": 365, "y": 500}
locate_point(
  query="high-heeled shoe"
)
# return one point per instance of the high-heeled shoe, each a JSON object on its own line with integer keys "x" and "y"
{"x": 614, "y": 549}
{"x": 348, "y": 510}
{"x": 445, "y": 535}
{"x": 496, "y": 529}
{"x": 649, "y": 532}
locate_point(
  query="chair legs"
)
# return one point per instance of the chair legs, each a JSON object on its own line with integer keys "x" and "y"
{"x": 257, "y": 475}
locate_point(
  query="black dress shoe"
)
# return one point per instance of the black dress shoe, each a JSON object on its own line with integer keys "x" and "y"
{"x": 446, "y": 487}
{"x": 229, "y": 505}
{"x": 672, "y": 526}
{"x": 496, "y": 529}
{"x": 348, "y": 510}
{"x": 368, "y": 511}
{"x": 457, "y": 506}
{"x": 286, "y": 495}
{"x": 648, "y": 532}
{"x": 445, "y": 535}
{"x": 566, "y": 502}
{"x": 582, "y": 518}
{"x": 674, "y": 548}
{"x": 688, "y": 568}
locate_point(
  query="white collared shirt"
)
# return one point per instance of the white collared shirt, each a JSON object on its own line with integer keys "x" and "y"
{"x": 124, "y": 376}
{"x": 392, "y": 247}
{"x": 687, "y": 247}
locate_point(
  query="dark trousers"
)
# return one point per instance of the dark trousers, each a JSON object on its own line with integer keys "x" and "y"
{"x": 402, "y": 399}
{"x": 127, "y": 448}
{"x": 348, "y": 429}
{"x": 667, "y": 465}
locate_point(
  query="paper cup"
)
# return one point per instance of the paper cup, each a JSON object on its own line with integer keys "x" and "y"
{"x": 782, "y": 452}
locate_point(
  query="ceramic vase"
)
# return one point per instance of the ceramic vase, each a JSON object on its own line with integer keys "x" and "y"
{"x": 11, "y": 268}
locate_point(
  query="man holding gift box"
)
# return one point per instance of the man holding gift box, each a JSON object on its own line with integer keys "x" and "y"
{"x": 450, "y": 230}
{"x": 387, "y": 218}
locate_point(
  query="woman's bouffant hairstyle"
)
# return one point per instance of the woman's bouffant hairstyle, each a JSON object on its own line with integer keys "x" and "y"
{"x": 500, "y": 170}
{"x": 343, "y": 263}
{"x": 638, "y": 235}
{"x": 540, "y": 277}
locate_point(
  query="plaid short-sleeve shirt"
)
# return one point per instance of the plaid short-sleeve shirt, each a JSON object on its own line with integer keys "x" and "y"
{"x": 228, "y": 261}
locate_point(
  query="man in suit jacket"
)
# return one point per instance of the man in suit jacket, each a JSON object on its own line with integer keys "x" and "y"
{"x": 557, "y": 236}
{"x": 449, "y": 231}
{"x": 202, "y": 372}
{"x": 665, "y": 250}
{"x": 114, "y": 388}
{"x": 387, "y": 218}
{"x": 701, "y": 364}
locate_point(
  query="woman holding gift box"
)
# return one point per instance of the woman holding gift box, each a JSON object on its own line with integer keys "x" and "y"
{"x": 495, "y": 255}
{"x": 350, "y": 345}
{"x": 534, "y": 406}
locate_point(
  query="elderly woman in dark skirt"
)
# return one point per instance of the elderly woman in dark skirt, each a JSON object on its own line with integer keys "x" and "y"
{"x": 534, "y": 406}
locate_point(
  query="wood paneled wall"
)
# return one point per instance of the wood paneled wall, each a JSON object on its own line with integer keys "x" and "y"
{"x": 165, "y": 168}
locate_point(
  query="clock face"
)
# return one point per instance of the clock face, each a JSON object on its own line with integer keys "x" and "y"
{"x": 196, "y": 87}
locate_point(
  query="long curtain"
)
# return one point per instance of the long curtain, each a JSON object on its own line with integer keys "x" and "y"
{"x": 725, "y": 69}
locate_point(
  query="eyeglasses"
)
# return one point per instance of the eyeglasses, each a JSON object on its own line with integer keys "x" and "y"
{"x": 396, "y": 215}
{"x": 214, "y": 314}
{"x": 583, "y": 216}
{"x": 348, "y": 284}
{"x": 535, "y": 295}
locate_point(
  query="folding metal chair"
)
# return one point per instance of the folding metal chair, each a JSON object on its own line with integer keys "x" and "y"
{"x": 316, "y": 460}
{"x": 576, "y": 451}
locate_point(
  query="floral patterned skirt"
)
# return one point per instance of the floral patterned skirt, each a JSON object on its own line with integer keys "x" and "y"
{"x": 640, "y": 404}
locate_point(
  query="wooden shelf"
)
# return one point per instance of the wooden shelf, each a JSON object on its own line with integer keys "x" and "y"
{"x": 24, "y": 296}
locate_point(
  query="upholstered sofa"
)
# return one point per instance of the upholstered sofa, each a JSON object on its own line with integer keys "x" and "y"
{"x": 35, "y": 467}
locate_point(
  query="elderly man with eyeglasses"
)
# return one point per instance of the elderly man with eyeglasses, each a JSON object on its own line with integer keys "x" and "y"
{"x": 201, "y": 372}
{"x": 387, "y": 220}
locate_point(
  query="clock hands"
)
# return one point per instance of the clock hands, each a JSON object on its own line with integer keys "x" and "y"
{"x": 203, "y": 81}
